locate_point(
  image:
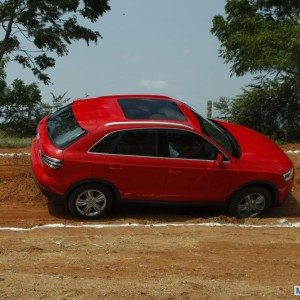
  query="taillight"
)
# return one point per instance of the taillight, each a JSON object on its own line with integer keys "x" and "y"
{"x": 38, "y": 132}
{"x": 51, "y": 162}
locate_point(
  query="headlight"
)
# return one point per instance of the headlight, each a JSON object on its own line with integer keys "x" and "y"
{"x": 288, "y": 175}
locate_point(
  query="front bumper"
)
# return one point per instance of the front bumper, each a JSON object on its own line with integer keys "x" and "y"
{"x": 285, "y": 192}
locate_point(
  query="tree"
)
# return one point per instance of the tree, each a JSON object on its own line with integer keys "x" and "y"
{"x": 59, "y": 101}
{"x": 272, "y": 108}
{"x": 21, "y": 108}
{"x": 223, "y": 106}
{"x": 35, "y": 29}
{"x": 260, "y": 36}
{"x": 2, "y": 78}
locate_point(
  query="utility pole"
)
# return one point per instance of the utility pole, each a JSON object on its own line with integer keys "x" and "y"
{"x": 209, "y": 109}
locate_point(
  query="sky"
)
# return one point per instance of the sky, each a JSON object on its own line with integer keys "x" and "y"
{"x": 159, "y": 47}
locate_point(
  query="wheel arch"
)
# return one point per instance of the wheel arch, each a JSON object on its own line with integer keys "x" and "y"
{"x": 105, "y": 183}
{"x": 269, "y": 186}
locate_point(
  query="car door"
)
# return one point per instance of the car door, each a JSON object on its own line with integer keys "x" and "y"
{"x": 192, "y": 172}
{"x": 134, "y": 167}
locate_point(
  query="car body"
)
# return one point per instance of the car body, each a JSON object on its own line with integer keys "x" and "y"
{"x": 95, "y": 152}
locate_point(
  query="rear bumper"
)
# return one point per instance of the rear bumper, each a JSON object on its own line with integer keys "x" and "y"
{"x": 45, "y": 191}
{"x": 42, "y": 180}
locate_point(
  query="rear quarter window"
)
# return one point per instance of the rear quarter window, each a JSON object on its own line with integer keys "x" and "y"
{"x": 62, "y": 127}
{"x": 105, "y": 144}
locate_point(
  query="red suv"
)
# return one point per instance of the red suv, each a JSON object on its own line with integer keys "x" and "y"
{"x": 131, "y": 148}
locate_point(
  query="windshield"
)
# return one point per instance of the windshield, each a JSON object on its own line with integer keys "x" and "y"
{"x": 220, "y": 135}
{"x": 63, "y": 128}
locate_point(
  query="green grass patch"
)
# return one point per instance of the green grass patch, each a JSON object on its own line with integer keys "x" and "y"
{"x": 8, "y": 141}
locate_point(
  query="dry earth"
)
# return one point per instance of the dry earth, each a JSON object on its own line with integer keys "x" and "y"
{"x": 141, "y": 262}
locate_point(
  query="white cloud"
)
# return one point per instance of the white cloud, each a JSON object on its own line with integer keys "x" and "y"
{"x": 187, "y": 50}
{"x": 157, "y": 84}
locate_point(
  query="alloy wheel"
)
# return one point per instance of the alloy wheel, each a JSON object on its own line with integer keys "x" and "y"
{"x": 91, "y": 203}
{"x": 251, "y": 205}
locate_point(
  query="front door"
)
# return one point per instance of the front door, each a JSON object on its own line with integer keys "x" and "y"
{"x": 191, "y": 171}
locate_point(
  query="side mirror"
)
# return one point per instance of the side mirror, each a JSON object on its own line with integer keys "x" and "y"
{"x": 220, "y": 160}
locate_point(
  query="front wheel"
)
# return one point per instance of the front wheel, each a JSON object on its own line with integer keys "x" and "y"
{"x": 251, "y": 202}
{"x": 90, "y": 201}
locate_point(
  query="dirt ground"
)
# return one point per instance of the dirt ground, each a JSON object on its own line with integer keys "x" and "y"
{"x": 141, "y": 262}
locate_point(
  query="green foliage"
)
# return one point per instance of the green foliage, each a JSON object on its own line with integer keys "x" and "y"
{"x": 9, "y": 141}
{"x": 21, "y": 107}
{"x": 272, "y": 108}
{"x": 260, "y": 36}
{"x": 35, "y": 29}
{"x": 223, "y": 106}
{"x": 59, "y": 101}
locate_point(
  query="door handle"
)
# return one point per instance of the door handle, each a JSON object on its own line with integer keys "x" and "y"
{"x": 175, "y": 172}
{"x": 115, "y": 169}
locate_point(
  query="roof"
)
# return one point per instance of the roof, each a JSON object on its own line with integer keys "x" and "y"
{"x": 100, "y": 111}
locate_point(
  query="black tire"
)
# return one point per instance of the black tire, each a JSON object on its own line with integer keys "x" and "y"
{"x": 95, "y": 197}
{"x": 250, "y": 202}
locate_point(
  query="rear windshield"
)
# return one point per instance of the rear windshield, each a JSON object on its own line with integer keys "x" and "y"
{"x": 151, "y": 109}
{"x": 63, "y": 128}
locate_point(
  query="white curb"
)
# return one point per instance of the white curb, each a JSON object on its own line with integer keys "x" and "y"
{"x": 156, "y": 225}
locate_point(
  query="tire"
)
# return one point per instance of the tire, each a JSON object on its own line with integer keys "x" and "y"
{"x": 90, "y": 201}
{"x": 250, "y": 202}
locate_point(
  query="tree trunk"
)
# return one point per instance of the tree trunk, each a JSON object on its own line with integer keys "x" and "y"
{"x": 8, "y": 31}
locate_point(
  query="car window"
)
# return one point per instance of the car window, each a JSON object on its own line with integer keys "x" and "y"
{"x": 105, "y": 143}
{"x": 219, "y": 134}
{"x": 183, "y": 144}
{"x": 151, "y": 109}
{"x": 137, "y": 142}
{"x": 62, "y": 127}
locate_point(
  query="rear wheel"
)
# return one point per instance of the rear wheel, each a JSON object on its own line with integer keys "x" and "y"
{"x": 250, "y": 202}
{"x": 90, "y": 201}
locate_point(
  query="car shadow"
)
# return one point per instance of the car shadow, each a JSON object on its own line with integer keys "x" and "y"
{"x": 143, "y": 212}
{"x": 58, "y": 209}
{"x": 290, "y": 208}
{"x": 164, "y": 213}
{"x": 175, "y": 213}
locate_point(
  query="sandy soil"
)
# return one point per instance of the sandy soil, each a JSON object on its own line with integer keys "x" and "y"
{"x": 151, "y": 262}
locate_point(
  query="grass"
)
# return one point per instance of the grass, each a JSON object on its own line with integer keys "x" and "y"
{"x": 8, "y": 141}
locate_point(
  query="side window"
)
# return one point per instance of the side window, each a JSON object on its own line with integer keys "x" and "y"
{"x": 105, "y": 144}
{"x": 137, "y": 142}
{"x": 182, "y": 144}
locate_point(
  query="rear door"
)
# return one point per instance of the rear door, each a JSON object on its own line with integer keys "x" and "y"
{"x": 134, "y": 167}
